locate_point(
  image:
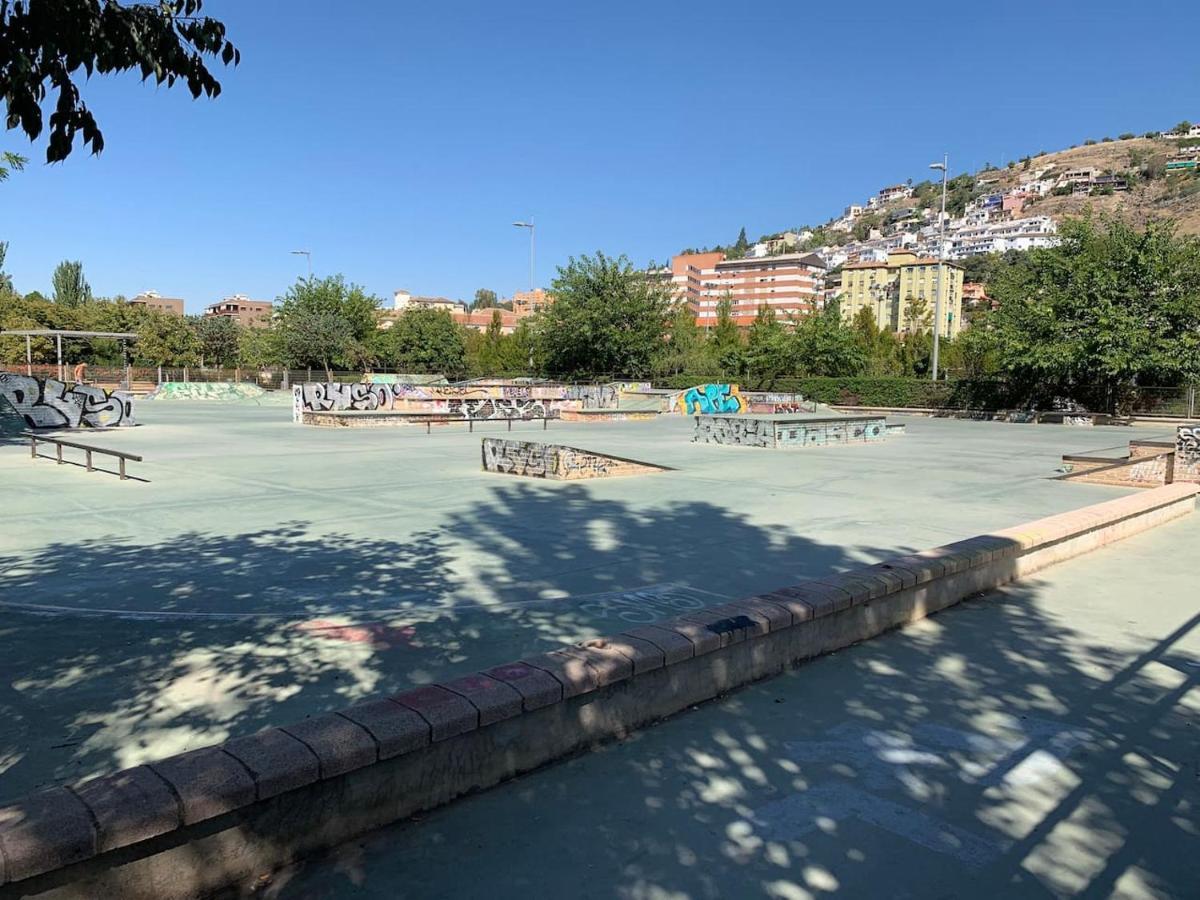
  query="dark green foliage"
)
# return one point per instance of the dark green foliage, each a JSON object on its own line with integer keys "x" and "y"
{"x": 425, "y": 340}
{"x": 607, "y": 319}
{"x": 45, "y": 44}
{"x": 70, "y": 287}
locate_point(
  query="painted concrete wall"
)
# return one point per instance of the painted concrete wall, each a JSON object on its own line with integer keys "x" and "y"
{"x": 710, "y": 399}
{"x": 750, "y": 431}
{"x": 49, "y": 403}
{"x": 555, "y": 461}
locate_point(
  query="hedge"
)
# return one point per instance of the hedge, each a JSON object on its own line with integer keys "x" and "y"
{"x": 886, "y": 391}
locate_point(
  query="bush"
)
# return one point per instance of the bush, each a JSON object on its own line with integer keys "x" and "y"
{"x": 919, "y": 393}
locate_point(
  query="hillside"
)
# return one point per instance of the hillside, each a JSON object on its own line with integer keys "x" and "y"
{"x": 1153, "y": 195}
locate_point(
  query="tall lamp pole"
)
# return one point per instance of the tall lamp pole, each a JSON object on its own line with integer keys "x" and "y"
{"x": 528, "y": 225}
{"x": 944, "y": 167}
{"x": 307, "y": 254}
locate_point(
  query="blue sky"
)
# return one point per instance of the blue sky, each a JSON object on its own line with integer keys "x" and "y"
{"x": 398, "y": 141}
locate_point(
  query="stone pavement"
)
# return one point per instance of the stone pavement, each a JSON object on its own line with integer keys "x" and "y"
{"x": 1035, "y": 742}
{"x": 266, "y": 571}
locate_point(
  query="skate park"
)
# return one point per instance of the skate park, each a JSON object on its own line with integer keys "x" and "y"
{"x": 265, "y": 571}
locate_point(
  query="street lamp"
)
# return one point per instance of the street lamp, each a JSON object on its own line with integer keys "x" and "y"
{"x": 528, "y": 225}
{"x": 944, "y": 168}
{"x": 307, "y": 254}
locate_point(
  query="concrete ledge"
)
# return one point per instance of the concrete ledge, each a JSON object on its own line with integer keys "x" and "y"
{"x": 194, "y": 823}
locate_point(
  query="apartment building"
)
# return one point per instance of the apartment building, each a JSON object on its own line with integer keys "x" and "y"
{"x": 242, "y": 308}
{"x": 890, "y": 289}
{"x": 405, "y": 300}
{"x": 790, "y": 284}
{"x": 1019, "y": 234}
{"x": 172, "y": 306}
{"x": 481, "y": 319}
{"x": 526, "y": 303}
{"x": 895, "y": 192}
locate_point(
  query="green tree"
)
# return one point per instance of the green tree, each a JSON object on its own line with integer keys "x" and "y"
{"x": 314, "y": 337}
{"x": 259, "y": 348}
{"x": 770, "y": 350}
{"x": 740, "y": 247}
{"x": 1111, "y": 308}
{"x": 333, "y": 295}
{"x": 685, "y": 350}
{"x": 726, "y": 337}
{"x": 877, "y": 343}
{"x": 918, "y": 316}
{"x": 826, "y": 346}
{"x": 1182, "y": 128}
{"x": 49, "y": 43}
{"x": 218, "y": 339}
{"x": 425, "y": 340}
{"x": 11, "y": 162}
{"x": 484, "y": 298}
{"x": 165, "y": 340}
{"x": 607, "y": 319}
{"x": 6, "y": 283}
{"x": 70, "y": 287}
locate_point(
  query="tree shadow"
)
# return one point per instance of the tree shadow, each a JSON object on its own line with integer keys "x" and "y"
{"x": 120, "y": 652}
{"x": 991, "y": 749}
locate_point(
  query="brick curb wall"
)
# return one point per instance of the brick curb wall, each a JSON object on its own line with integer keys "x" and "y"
{"x": 193, "y": 823}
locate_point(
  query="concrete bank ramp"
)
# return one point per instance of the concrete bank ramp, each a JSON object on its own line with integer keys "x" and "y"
{"x": 557, "y": 462}
{"x": 220, "y": 391}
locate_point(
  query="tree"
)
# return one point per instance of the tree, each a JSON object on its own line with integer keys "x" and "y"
{"x": 311, "y": 298}
{"x": 11, "y": 162}
{"x": 825, "y": 346}
{"x": 164, "y": 340}
{"x": 877, "y": 343}
{"x": 45, "y": 44}
{"x": 740, "y": 246}
{"x": 770, "y": 350}
{"x": 1182, "y": 128}
{"x": 260, "y": 347}
{"x": 70, "y": 287}
{"x": 218, "y": 340}
{"x": 315, "y": 337}
{"x": 607, "y": 319}
{"x": 917, "y": 314}
{"x": 426, "y": 340}
{"x": 484, "y": 298}
{"x": 1111, "y": 308}
{"x": 6, "y": 283}
{"x": 685, "y": 350}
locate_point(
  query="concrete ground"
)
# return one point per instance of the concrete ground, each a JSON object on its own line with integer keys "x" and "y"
{"x": 264, "y": 571}
{"x": 1040, "y": 741}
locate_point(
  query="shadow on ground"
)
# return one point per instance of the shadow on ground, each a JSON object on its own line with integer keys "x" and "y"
{"x": 989, "y": 751}
{"x": 118, "y": 653}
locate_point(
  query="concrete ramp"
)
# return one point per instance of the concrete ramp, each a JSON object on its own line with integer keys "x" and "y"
{"x": 557, "y": 462}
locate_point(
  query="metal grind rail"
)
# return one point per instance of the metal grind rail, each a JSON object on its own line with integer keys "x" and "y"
{"x": 88, "y": 450}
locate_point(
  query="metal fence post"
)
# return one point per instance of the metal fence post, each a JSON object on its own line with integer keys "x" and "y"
{"x": 1192, "y": 402}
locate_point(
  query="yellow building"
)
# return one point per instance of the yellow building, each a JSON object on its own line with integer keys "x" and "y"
{"x": 901, "y": 293}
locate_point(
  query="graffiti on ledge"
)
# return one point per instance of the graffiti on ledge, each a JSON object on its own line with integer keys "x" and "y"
{"x": 49, "y": 403}
{"x": 1187, "y": 443}
{"x": 711, "y": 399}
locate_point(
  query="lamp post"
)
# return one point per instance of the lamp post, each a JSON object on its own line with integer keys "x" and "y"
{"x": 307, "y": 254}
{"x": 944, "y": 167}
{"x": 528, "y": 225}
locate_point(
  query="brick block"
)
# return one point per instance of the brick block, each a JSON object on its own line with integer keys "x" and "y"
{"x": 572, "y": 672}
{"x": 130, "y": 806}
{"x": 857, "y": 585}
{"x": 208, "y": 781}
{"x": 697, "y": 630}
{"x": 922, "y": 569}
{"x": 277, "y": 761}
{"x": 609, "y": 665}
{"x": 447, "y": 713}
{"x": 674, "y": 646}
{"x": 737, "y": 609}
{"x": 494, "y": 699}
{"x": 776, "y": 614}
{"x": 341, "y": 745}
{"x": 45, "y": 831}
{"x": 799, "y": 610}
{"x": 822, "y": 599}
{"x": 536, "y": 687}
{"x": 395, "y": 728}
{"x": 952, "y": 560}
{"x": 897, "y": 577}
{"x": 644, "y": 655}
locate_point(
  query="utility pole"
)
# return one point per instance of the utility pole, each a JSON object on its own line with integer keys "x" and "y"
{"x": 307, "y": 254}
{"x": 528, "y": 225}
{"x": 944, "y": 166}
